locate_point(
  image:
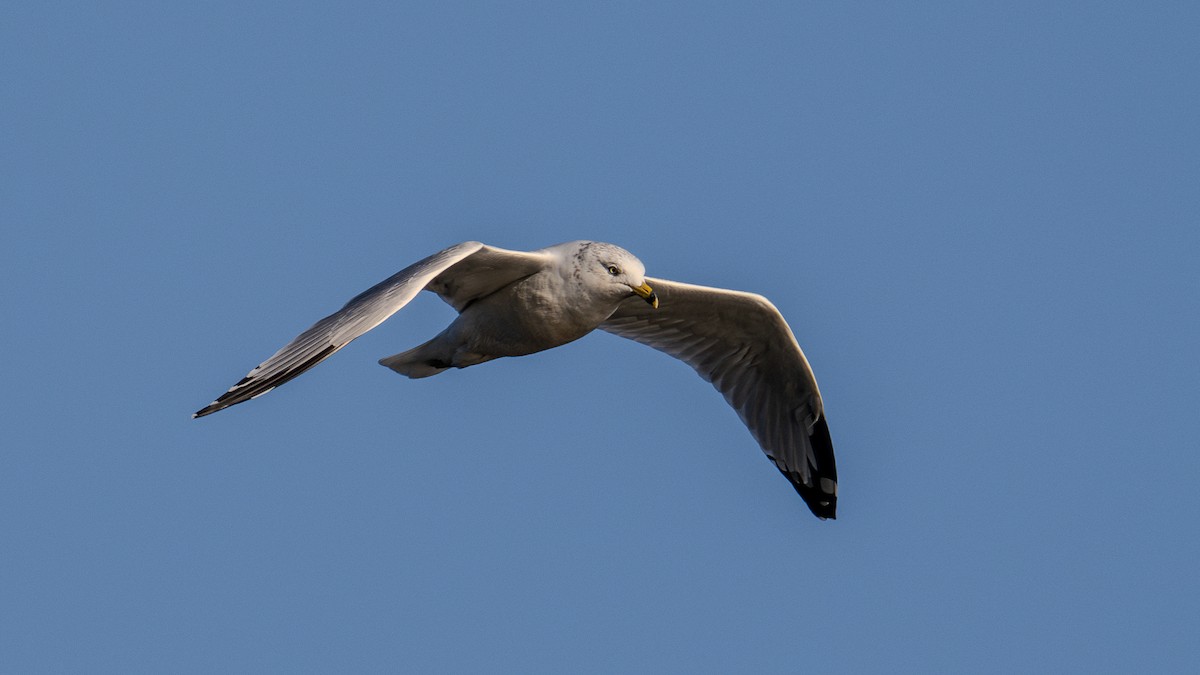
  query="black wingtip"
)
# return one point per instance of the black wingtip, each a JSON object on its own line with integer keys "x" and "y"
{"x": 222, "y": 402}
{"x": 821, "y": 495}
{"x": 820, "y": 498}
{"x": 249, "y": 387}
{"x": 822, "y": 504}
{"x": 210, "y": 408}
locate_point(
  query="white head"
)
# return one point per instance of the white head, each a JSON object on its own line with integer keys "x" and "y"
{"x": 610, "y": 269}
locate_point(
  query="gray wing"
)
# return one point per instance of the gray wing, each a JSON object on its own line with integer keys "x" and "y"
{"x": 459, "y": 274}
{"x": 741, "y": 344}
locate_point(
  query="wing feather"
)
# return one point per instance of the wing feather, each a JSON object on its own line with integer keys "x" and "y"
{"x": 741, "y": 344}
{"x": 459, "y": 274}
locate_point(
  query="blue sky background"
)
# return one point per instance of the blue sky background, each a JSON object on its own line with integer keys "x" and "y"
{"x": 981, "y": 220}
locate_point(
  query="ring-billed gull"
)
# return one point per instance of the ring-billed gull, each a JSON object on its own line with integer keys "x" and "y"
{"x": 512, "y": 303}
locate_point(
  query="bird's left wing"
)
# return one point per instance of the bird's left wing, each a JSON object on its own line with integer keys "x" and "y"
{"x": 462, "y": 273}
{"x": 741, "y": 344}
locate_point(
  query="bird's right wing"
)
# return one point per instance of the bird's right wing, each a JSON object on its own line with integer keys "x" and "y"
{"x": 741, "y": 344}
{"x": 459, "y": 274}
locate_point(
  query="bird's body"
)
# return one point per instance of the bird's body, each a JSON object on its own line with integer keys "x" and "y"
{"x": 546, "y": 309}
{"x": 514, "y": 303}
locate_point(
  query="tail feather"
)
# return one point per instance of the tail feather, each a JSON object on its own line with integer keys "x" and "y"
{"x": 423, "y": 361}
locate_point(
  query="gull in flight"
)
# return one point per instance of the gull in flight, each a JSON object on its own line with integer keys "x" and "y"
{"x": 513, "y": 303}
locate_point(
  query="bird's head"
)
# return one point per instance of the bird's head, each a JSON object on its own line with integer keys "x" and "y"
{"x": 614, "y": 270}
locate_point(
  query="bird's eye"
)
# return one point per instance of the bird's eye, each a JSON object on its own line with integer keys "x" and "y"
{"x": 614, "y": 270}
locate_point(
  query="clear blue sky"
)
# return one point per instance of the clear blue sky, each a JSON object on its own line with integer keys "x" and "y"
{"x": 982, "y": 221}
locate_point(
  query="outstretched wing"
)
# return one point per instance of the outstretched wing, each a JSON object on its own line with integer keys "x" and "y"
{"x": 741, "y": 344}
{"x": 459, "y": 274}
